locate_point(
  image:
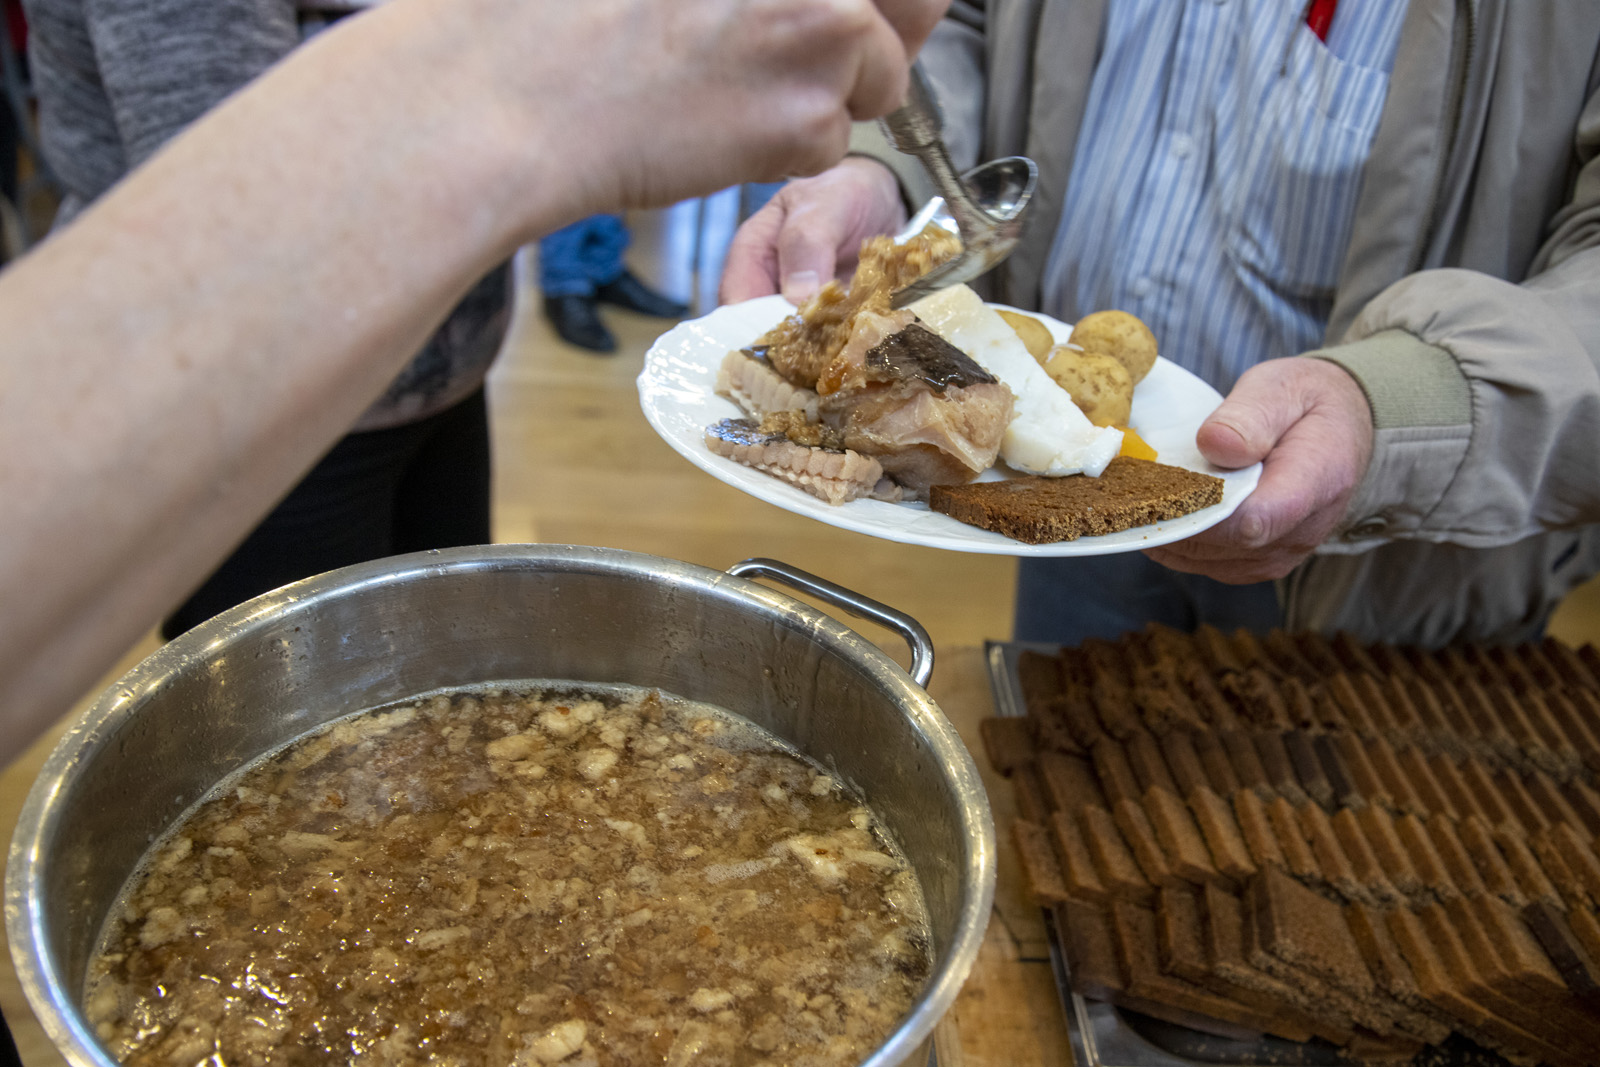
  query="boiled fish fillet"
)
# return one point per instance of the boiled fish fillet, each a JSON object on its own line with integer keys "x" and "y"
{"x": 928, "y": 413}
{"x": 1048, "y": 433}
{"x": 829, "y": 474}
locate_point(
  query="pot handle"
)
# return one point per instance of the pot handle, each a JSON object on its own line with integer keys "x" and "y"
{"x": 853, "y": 602}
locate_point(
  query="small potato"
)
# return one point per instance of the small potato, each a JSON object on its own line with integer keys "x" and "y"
{"x": 1035, "y": 334}
{"x": 1121, "y": 335}
{"x": 1097, "y": 383}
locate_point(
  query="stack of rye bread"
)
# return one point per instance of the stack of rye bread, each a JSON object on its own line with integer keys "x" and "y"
{"x": 1319, "y": 838}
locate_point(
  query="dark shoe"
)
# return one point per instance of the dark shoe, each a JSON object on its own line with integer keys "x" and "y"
{"x": 629, "y": 292}
{"x": 577, "y": 320}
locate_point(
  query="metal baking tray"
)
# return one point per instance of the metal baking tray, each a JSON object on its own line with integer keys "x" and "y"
{"x": 1103, "y": 1035}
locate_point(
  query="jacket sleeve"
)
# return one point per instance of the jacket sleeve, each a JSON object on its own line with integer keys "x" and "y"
{"x": 164, "y": 63}
{"x": 1485, "y": 393}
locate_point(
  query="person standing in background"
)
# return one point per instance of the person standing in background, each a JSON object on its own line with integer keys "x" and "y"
{"x": 116, "y": 80}
{"x": 1376, "y": 225}
{"x": 580, "y": 268}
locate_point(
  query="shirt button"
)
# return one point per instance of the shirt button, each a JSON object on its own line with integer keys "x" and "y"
{"x": 1142, "y": 288}
{"x": 1372, "y": 526}
{"x": 1182, "y": 145}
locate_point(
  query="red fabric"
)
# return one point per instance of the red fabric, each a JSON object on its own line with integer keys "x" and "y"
{"x": 1319, "y": 16}
{"x": 16, "y": 24}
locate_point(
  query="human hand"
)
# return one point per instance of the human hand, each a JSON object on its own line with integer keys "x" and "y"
{"x": 647, "y": 103}
{"x": 811, "y": 231}
{"x": 1309, "y": 424}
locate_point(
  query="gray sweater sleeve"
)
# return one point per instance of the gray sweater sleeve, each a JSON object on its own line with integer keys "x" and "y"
{"x": 117, "y": 79}
{"x": 164, "y": 63}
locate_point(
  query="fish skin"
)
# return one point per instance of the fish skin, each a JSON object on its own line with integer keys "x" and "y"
{"x": 1048, "y": 434}
{"x": 831, "y": 475}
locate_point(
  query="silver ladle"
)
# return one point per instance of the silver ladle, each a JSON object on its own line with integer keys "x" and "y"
{"x": 986, "y": 205}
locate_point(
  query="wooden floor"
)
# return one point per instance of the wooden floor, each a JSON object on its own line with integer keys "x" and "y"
{"x": 577, "y": 463}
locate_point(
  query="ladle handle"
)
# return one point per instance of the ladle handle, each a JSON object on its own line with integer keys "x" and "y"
{"x": 853, "y": 602}
{"x": 917, "y": 129}
{"x": 917, "y": 123}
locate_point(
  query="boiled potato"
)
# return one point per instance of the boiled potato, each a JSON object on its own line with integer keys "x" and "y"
{"x": 1099, "y": 384}
{"x": 1119, "y": 335}
{"x": 1035, "y": 334}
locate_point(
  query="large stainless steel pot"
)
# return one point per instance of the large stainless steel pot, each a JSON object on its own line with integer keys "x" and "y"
{"x": 266, "y": 672}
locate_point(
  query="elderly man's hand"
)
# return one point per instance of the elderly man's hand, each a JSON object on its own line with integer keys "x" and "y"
{"x": 1310, "y": 425}
{"x": 809, "y": 233}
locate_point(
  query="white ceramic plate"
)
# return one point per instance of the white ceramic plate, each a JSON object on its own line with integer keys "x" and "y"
{"x": 677, "y": 393}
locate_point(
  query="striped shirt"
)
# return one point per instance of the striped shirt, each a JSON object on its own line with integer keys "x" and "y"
{"x": 1217, "y": 171}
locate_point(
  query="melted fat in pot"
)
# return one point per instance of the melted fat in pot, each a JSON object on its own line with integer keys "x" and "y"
{"x": 502, "y": 878}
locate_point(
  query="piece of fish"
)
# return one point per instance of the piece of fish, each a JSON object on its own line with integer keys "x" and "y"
{"x": 803, "y": 345}
{"x": 1048, "y": 434}
{"x": 747, "y": 379}
{"x": 888, "y": 388}
{"x": 835, "y": 476}
{"x": 915, "y": 402}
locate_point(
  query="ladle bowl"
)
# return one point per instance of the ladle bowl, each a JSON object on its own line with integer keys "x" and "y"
{"x": 998, "y": 195}
{"x": 987, "y": 204}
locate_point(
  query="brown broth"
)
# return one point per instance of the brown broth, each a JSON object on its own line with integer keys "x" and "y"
{"x": 502, "y": 877}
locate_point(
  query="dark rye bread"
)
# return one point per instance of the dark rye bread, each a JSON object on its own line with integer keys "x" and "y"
{"x": 1276, "y": 809}
{"x": 1129, "y": 492}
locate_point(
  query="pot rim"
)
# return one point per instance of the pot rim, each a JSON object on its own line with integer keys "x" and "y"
{"x": 47, "y": 990}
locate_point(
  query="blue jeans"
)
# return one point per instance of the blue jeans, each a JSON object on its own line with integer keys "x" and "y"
{"x": 578, "y": 259}
{"x": 1066, "y": 600}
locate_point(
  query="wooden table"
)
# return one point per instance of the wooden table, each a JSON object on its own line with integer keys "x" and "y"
{"x": 1008, "y": 1014}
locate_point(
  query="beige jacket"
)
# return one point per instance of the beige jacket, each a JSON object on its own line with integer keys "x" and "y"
{"x": 1468, "y": 307}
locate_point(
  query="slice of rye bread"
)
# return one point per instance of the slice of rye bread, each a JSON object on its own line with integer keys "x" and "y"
{"x": 1481, "y": 978}
{"x": 1222, "y": 929}
{"x": 1448, "y": 982}
{"x": 1489, "y": 927}
{"x": 1256, "y": 827}
{"x": 1585, "y": 803}
{"x": 1141, "y": 838}
{"x": 1008, "y": 741}
{"x": 1392, "y": 973}
{"x": 1097, "y": 962}
{"x": 1180, "y": 937}
{"x": 1129, "y": 492}
{"x": 1077, "y": 864}
{"x": 1113, "y": 861}
{"x": 1149, "y": 765}
{"x": 1424, "y": 858}
{"x": 1184, "y": 762}
{"x": 1039, "y": 675}
{"x": 1039, "y": 863}
{"x": 1069, "y": 781}
{"x": 1245, "y": 762}
{"x": 1084, "y": 929}
{"x": 1300, "y": 861}
{"x": 1306, "y": 930}
{"x": 1138, "y": 954}
{"x": 1229, "y": 853}
{"x": 1572, "y": 961}
{"x": 1362, "y": 1010}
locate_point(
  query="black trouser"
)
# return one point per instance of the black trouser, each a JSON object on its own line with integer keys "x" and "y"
{"x": 380, "y": 493}
{"x": 8, "y": 1047}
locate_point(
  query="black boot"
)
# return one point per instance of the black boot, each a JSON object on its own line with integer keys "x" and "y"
{"x": 577, "y": 320}
{"x": 629, "y": 292}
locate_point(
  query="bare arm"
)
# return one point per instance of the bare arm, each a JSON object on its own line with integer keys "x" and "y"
{"x": 176, "y": 358}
